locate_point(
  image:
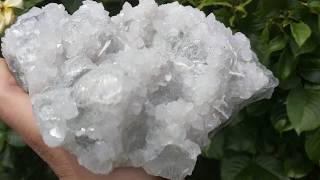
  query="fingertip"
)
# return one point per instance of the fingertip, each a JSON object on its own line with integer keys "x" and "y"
{"x": 4, "y": 70}
{"x": 2, "y": 62}
{"x": 6, "y": 77}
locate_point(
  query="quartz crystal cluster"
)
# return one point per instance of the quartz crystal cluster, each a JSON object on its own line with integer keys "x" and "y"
{"x": 143, "y": 88}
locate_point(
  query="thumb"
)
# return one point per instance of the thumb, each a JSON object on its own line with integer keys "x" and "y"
{"x": 6, "y": 79}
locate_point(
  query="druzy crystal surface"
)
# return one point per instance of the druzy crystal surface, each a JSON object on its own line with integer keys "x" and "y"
{"x": 143, "y": 88}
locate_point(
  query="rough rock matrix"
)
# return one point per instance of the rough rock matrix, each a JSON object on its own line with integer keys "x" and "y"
{"x": 143, "y": 88}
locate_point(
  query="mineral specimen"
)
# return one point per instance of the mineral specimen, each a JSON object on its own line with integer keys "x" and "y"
{"x": 143, "y": 88}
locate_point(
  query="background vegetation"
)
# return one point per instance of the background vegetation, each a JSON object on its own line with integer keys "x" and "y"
{"x": 269, "y": 140}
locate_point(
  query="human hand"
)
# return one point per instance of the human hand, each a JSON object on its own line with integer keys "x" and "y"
{"x": 16, "y": 112}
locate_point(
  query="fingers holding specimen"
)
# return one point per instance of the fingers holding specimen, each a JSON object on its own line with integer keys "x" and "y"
{"x": 7, "y": 81}
{"x": 4, "y": 70}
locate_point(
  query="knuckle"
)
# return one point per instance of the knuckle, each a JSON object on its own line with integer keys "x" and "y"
{"x": 35, "y": 142}
{"x": 65, "y": 173}
{"x": 55, "y": 160}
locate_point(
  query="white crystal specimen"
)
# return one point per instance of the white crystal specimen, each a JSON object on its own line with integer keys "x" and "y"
{"x": 143, "y": 88}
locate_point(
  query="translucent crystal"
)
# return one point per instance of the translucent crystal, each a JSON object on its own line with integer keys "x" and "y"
{"x": 143, "y": 88}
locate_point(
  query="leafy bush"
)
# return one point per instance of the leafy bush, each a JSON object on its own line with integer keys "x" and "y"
{"x": 269, "y": 140}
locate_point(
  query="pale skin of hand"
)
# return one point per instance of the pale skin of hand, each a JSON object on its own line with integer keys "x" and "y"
{"x": 16, "y": 112}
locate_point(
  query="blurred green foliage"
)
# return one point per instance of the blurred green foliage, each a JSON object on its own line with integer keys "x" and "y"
{"x": 274, "y": 139}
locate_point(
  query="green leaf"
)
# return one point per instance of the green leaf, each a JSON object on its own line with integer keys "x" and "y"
{"x": 312, "y": 145}
{"x": 287, "y": 64}
{"x": 236, "y": 118}
{"x": 258, "y": 108}
{"x": 314, "y": 5}
{"x": 241, "y": 8}
{"x": 192, "y": 2}
{"x": 240, "y": 138}
{"x": 14, "y": 139}
{"x": 303, "y": 107}
{"x": 319, "y": 22}
{"x": 2, "y": 140}
{"x": 270, "y": 167}
{"x": 282, "y": 125}
{"x": 232, "y": 167}
{"x": 301, "y": 32}
{"x": 3, "y": 126}
{"x": 7, "y": 158}
{"x": 279, "y": 118}
{"x": 310, "y": 70}
{"x": 310, "y": 86}
{"x": 291, "y": 82}
{"x": 27, "y": 4}
{"x": 293, "y": 167}
{"x": 72, "y": 5}
{"x": 216, "y": 147}
{"x": 7, "y": 176}
{"x": 206, "y": 3}
{"x": 267, "y": 48}
{"x": 260, "y": 44}
{"x": 243, "y": 168}
{"x": 265, "y": 35}
{"x": 231, "y": 20}
{"x": 309, "y": 46}
{"x": 276, "y": 44}
{"x": 311, "y": 75}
